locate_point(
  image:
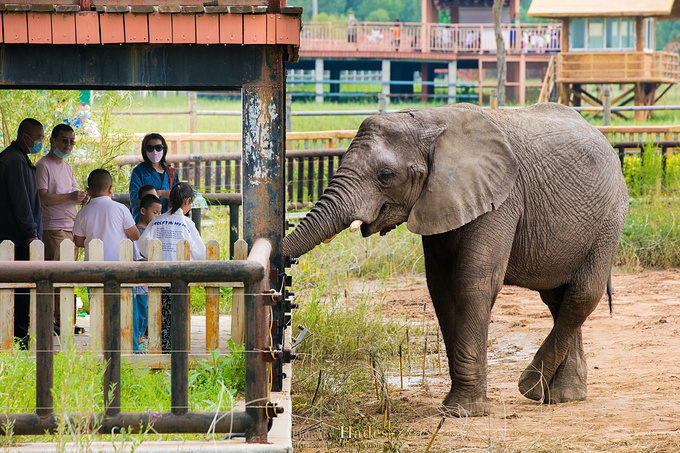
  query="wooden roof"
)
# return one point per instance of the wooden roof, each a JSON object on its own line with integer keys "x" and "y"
{"x": 665, "y": 9}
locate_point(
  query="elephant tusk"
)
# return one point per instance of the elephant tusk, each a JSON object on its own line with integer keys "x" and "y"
{"x": 355, "y": 225}
{"x": 329, "y": 239}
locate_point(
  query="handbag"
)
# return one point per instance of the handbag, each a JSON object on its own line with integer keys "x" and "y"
{"x": 171, "y": 176}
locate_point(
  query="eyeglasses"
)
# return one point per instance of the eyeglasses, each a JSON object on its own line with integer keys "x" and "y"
{"x": 66, "y": 141}
{"x": 152, "y": 148}
{"x": 41, "y": 138}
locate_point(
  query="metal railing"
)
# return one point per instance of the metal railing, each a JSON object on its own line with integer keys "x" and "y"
{"x": 253, "y": 272}
{"x": 417, "y": 37}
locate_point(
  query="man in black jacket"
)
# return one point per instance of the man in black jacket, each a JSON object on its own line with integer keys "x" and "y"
{"x": 20, "y": 208}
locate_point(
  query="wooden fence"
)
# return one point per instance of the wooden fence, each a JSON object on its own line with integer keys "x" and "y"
{"x": 211, "y": 162}
{"x": 96, "y": 298}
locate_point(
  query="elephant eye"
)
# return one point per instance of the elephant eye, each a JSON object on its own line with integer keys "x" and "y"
{"x": 385, "y": 176}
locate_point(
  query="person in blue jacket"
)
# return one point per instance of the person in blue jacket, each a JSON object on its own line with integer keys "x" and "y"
{"x": 20, "y": 207}
{"x": 153, "y": 171}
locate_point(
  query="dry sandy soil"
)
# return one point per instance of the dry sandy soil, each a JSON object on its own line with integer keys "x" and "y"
{"x": 633, "y": 380}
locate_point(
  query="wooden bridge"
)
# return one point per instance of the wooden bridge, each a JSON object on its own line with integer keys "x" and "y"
{"x": 422, "y": 41}
{"x": 397, "y": 50}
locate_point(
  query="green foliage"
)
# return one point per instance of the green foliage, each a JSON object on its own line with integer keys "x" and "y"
{"x": 392, "y": 8}
{"x": 524, "y": 17}
{"x": 650, "y": 237}
{"x": 113, "y": 140}
{"x": 220, "y": 371}
{"x": 78, "y": 377}
{"x": 329, "y": 266}
{"x": 50, "y": 107}
{"x": 325, "y": 17}
{"x": 378, "y": 15}
{"x": 666, "y": 31}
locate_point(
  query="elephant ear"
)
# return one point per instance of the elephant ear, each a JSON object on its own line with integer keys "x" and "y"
{"x": 471, "y": 172}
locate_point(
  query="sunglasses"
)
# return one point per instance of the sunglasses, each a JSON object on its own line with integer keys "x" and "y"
{"x": 152, "y": 148}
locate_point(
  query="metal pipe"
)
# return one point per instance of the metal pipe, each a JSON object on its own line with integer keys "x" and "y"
{"x": 179, "y": 360}
{"x": 133, "y": 422}
{"x": 112, "y": 348}
{"x": 256, "y": 346}
{"x": 44, "y": 370}
{"x": 233, "y": 226}
{"x": 131, "y": 272}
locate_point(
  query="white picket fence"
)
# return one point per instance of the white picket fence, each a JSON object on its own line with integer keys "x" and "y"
{"x": 96, "y": 298}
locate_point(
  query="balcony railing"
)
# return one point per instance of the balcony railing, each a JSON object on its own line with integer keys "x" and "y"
{"x": 416, "y": 37}
{"x": 617, "y": 67}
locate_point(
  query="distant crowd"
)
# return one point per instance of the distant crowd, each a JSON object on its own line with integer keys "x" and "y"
{"x": 41, "y": 203}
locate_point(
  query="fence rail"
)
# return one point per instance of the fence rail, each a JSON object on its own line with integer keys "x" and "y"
{"x": 311, "y": 158}
{"x": 108, "y": 279}
{"x": 417, "y": 37}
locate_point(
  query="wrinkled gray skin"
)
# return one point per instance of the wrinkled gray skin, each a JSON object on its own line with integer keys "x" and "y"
{"x": 532, "y": 197}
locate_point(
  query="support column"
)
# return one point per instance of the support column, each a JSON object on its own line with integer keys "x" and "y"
{"x": 426, "y": 75}
{"x": 451, "y": 77}
{"x": 263, "y": 169}
{"x": 522, "y": 79}
{"x": 318, "y": 76}
{"x": 334, "y": 86}
{"x": 386, "y": 76}
{"x": 480, "y": 80}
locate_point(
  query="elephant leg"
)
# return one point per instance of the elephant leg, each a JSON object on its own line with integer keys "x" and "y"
{"x": 569, "y": 381}
{"x": 462, "y": 300}
{"x": 558, "y": 371}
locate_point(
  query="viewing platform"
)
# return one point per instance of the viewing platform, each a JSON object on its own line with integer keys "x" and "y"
{"x": 417, "y": 41}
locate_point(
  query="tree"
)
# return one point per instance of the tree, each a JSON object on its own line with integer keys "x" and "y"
{"x": 500, "y": 51}
{"x": 392, "y": 7}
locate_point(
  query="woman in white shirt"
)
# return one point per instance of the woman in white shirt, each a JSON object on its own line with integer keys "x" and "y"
{"x": 170, "y": 228}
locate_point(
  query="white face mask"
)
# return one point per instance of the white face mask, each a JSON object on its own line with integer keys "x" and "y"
{"x": 155, "y": 156}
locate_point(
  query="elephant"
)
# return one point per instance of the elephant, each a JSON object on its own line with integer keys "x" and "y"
{"x": 531, "y": 197}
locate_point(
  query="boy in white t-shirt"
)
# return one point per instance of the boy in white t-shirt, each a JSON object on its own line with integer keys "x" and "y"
{"x": 103, "y": 218}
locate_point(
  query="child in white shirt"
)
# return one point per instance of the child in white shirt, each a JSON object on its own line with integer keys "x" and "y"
{"x": 102, "y": 218}
{"x": 170, "y": 228}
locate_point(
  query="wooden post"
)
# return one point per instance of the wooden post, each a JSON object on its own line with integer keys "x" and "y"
{"x": 184, "y": 254}
{"x": 96, "y": 253}
{"x": 36, "y": 250}
{"x": 6, "y": 301}
{"x": 125, "y": 253}
{"x": 212, "y": 304}
{"x": 155, "y": 253}
{"x": 238, "y": 320}
{"x": 67, "y": 252}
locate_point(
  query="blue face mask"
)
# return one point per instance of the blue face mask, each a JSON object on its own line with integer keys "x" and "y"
{"x": 59, "y": 154}
{"x": 36, "y": 148}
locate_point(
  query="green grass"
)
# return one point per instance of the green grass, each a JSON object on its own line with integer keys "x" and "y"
{"x": 78, "y": 377}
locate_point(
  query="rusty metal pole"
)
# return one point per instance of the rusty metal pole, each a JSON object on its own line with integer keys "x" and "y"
{"x": 111, "y": 348}
{"x": 179, "y": 331}
{"x": 256, "y": 343}
{"x": 44, "y": 368}
{"x": 264, "y": 197}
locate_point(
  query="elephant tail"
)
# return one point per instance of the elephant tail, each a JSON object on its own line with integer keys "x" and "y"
{"x": 609, "y": 294}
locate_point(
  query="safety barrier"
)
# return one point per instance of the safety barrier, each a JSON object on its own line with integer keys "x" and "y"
{"x": 111, "y": 294}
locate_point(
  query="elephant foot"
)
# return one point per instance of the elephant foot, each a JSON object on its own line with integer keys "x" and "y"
{"x": 533, "y": 385}
{"x": 569, "y": 386}
{"x": 563, "y": 388}
{"x": 456, "y": 406}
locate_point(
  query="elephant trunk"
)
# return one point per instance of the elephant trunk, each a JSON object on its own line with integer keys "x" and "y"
{"x": 329, "y": 216}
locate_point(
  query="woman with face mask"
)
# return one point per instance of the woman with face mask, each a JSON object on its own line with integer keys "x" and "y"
{"x": 153, "y": 171}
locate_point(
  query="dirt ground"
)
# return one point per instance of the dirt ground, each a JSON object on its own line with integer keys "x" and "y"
{"x": 633, "y": 380}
